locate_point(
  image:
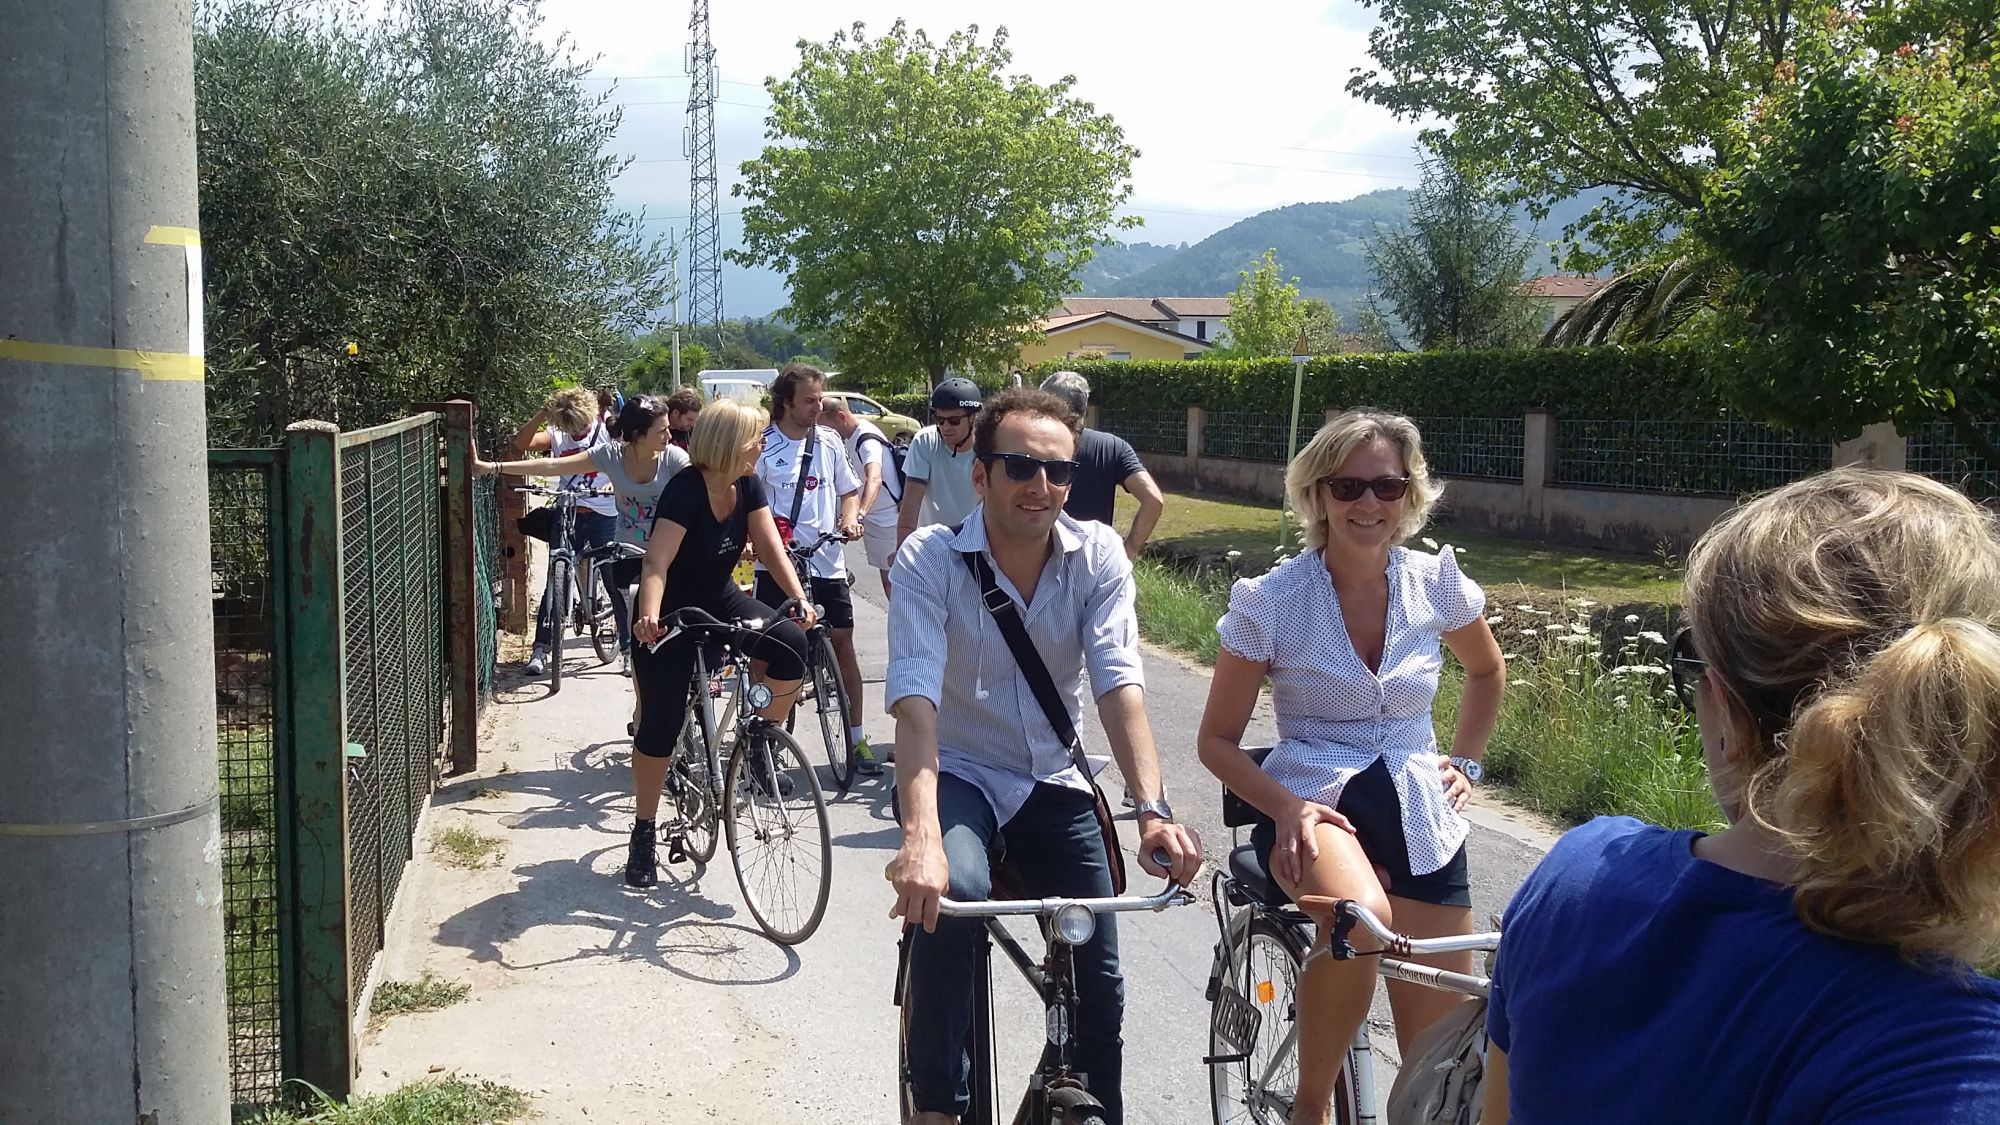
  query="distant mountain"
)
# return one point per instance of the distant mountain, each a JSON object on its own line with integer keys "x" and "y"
{"x": 1323, "y": 244}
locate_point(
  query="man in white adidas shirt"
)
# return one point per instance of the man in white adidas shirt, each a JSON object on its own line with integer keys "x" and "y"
{"x": 810, "y": 485}
{"x": 869, "y": 455}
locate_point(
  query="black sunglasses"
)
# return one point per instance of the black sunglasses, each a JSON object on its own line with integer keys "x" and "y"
{"x": 1022, "y": 468}
{"x": 1349, "y": 489}
{"x": 1688, "y": 669}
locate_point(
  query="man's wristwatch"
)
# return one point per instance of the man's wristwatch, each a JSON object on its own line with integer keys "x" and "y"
{"x": 1159, "y": 808}
{"x": 1470, "y": 767}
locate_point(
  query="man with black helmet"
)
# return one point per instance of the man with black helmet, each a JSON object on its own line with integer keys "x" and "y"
{"x": 937, "y": 472}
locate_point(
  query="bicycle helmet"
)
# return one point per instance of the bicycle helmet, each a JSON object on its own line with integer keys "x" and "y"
{"x": 956, "y": 394}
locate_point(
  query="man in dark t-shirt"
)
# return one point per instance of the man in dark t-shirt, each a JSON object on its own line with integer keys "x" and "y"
{"x": 1106, "y": 463}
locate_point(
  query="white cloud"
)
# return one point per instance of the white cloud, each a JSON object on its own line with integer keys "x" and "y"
{"x": 1233, "y": 112}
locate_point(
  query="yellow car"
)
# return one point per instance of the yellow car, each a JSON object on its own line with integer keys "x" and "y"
{"x": 899, "y": 428}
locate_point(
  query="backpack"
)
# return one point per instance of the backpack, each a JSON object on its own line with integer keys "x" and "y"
{"x": 897, "y": 454}
{"x": 1440, "y": 1081}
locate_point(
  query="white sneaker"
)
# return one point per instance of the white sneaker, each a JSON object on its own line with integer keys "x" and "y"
{"x": 538, "y": 661}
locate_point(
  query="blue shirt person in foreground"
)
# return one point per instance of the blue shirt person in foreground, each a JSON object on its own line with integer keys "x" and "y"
{"x": 1817, "y": 960}
{"x": 976, "y": 756}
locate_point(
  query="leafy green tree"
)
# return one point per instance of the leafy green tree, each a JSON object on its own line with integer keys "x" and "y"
{"x": 1265, "y": 313}
{"x": 1453, "y": 275}
{"x": 1566, "y": 96}
{"x": 1321, "y": 326}
{"x": 929, "y": 207}
{"x": 404, "y": 204}
{"x": 652, "y": 371}
{"x": 1862, "y": 226}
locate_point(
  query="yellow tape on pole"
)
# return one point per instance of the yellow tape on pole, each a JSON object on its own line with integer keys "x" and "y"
{"x": 174, "y": 236}
{"x": 175, "y": 366}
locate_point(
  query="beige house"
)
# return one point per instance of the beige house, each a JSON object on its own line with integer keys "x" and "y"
{"x": 1129, "y": 328}
{"x": 1559, "y": 293}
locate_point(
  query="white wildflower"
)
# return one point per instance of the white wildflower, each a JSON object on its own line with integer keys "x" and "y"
{"x": 1529, "y": 630}
{"x": 1622, "y": 703}
{"x": 1460, "y": 550}
{"x": 1576, "y": 639}
{"x": 1495, "y": 619}
{"x": 1582, "y": 603}
{"x": 1517, "y": 683}
{"x": 1525, "y": 608}
{"x": 1653, "y": 636}
{"x": 1579, "y": 630}
{"x": 1234, "y": 555}
{"x": 1510, "y": 656}
{"x": 1431, "y": 543}
{"x": 1639, "y": 670}
{"x": 1631, "y": 619}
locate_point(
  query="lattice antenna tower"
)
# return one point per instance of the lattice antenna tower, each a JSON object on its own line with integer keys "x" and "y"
{"x": 704, "y": 262}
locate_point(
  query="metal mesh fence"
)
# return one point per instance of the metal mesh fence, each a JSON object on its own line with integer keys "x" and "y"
{"x": 1486, "y": 448}
{"x": 393, "y": 617}
{"x": 486, "y": 599}
{"x": 1249, "y": 434}
{"x": 1936, "y": 450}
{"x": 1727, "y": 456}
{"x": 241, "y": 511}
{"x": 1149, "y": 431}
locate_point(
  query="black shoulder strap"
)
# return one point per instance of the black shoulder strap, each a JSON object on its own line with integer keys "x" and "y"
{"x": 1008, "y": 617}
{"x": 888, "y": 466}
{"x": 805, "y": 467}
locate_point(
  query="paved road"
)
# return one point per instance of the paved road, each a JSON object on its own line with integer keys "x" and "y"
{"x": 611, "y": 1005}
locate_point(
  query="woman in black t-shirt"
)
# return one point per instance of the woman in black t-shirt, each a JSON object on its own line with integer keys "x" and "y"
{"x": 705, "y": 515}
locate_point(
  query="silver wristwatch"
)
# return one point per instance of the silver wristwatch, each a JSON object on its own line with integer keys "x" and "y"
{"x": 1470, "y": 767}
{"x": 1159, "y": 808}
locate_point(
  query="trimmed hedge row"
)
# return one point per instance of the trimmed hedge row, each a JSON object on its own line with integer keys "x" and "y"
{"x": 916, "y": 406}
{"x": 1670, "y": 383}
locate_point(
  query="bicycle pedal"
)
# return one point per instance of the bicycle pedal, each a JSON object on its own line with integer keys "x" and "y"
{"x": 676, "y": 852}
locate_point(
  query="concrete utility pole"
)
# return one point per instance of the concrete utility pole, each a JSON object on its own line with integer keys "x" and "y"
{"x": 111, "y": 959}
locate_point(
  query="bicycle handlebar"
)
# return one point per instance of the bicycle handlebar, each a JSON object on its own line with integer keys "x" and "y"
{"x": 1172, "y": 895}
{"x": 1323, "y": 910}
{"x": 694, "y": 617}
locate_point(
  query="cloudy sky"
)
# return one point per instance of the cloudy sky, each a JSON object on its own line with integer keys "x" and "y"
{"x": 1236, "y": 108}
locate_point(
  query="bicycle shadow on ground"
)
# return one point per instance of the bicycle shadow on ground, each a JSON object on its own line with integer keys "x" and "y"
{"x": 588, "y": 788}
{"x": 673, "y": 926}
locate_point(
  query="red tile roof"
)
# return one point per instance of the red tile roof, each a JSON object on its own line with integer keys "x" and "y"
{"x": 1561, "y": 285}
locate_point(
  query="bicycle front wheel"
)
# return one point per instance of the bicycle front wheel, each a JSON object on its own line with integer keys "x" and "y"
{"x": 557, "y": 609}
{"x": 830, "y": 698}
{"x": 779, "y": 843}
{"x": 598, "y": 618}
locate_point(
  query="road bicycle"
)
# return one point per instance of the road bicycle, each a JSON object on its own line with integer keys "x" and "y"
{"x": 1055, "y": 1094}
{"x": 824, "y": 688}
{"x": 574, "y": 599}
{"x": 766, "y": 802}
{"x": 1264, "y": 944}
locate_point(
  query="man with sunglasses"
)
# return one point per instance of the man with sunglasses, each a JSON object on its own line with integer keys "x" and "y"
{"x": 978, "y": 758}
{"x": 937, "y": 472}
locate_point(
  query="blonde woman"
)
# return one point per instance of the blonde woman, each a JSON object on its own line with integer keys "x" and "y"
{"x": 705, "y": 515}
{"x": 1361, "y": 803}
{"x": 1816, "y": 960}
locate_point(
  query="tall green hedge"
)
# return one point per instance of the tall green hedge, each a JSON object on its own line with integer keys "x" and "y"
{"x": 1658, "y": 383}
{"x": 916, "y": 406}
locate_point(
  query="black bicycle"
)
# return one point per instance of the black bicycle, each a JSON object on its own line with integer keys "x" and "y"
{"x": 824, "y": 688}
{"x": 1056, "y": 1093}
{"x": 767, "y": 800}
{"x": 573, "y": 599}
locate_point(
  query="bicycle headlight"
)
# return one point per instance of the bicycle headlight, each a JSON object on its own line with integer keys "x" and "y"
{"x": 760, "y": 697}
{"x": 1074, "y": 924}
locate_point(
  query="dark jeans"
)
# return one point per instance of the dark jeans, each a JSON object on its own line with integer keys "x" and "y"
{"x": 593, "y": 529}
{"x": 1055, "y": 845}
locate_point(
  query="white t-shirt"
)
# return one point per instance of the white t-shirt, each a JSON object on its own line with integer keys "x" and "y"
{"x": 562, "y": 445}
{"x": 875, "y": 451}
{"x": 819, "y": 512}
{"x": 948, "y": 493}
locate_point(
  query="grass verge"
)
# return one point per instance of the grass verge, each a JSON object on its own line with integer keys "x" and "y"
{"x": 468, "y": 847}
{"x": 427, "y": 993}
{"x": 436, "y": 1101}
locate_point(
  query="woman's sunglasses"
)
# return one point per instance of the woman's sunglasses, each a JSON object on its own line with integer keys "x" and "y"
{"x": 1687, "y": 668}
{"x": 1022, "y": 468}
{"x": 1349, "y": 489}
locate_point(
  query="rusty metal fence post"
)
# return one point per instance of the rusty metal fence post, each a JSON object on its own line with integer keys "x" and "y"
{"x": 319, "y": 977}
{"x": 461, "y": 567}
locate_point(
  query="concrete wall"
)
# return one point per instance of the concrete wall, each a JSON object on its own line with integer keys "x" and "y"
{"x": 1534, "y": 507}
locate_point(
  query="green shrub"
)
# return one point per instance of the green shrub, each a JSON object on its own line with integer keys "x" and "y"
{"x": 916, "y": 406}
{"x": 1610, "y": 382}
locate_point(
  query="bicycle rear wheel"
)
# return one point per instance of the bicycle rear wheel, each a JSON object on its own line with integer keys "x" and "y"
{"x": 779, "y": 842}
{"x": 1263, "y": 961}
{"x": 689, "y": 785}
{"x": 598, "y": 618}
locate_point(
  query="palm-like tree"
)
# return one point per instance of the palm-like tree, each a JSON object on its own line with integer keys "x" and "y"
{"x": 1642, "y": 306}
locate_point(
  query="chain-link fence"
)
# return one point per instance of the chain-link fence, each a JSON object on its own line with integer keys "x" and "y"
{"x": 1727, "y": 456}
{"x": 1250, "y": 435}
{"x": 486, "y": 586}
{"x": 242, "y": 490}
{"x": 1483, "y": 448}
{"x": 1936, "y": 450}
{"x": 393, "y": 617}
{"x": 1149, "y": 431}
